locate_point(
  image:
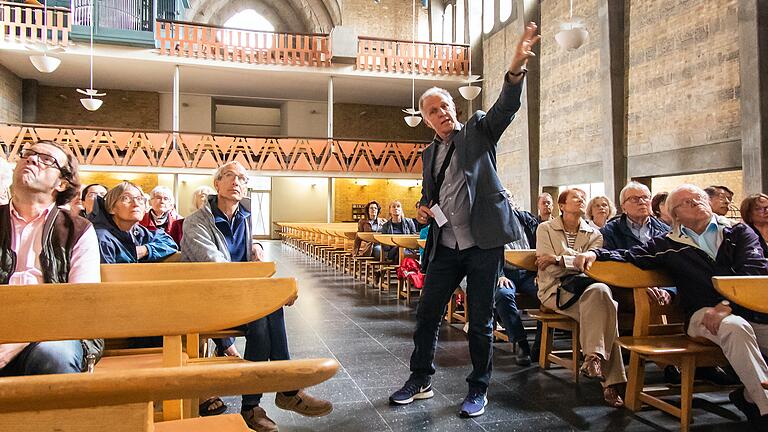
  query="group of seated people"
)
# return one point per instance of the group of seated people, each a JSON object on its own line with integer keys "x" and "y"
{"x": 683, "y": 232}
{"x": 50, "y": 242}
{"x": 396, "y": 224}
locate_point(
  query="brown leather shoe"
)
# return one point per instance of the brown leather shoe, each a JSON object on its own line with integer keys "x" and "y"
{"x": 256, "y": 419}
{"x": 612, "y": 397}
{"x": 304, "y": 404}
{"x": 592, "y": 368}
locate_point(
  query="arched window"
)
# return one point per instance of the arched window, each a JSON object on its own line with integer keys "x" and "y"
{"x": 448, "y": 24}
{"x": 505, "y": 10}
{"x": 489, "y": 18}
{"x": 249, "y": 19}
{"x": 460, "y": 21}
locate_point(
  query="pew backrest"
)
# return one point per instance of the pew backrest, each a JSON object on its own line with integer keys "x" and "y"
{"x": 185, "y": 271}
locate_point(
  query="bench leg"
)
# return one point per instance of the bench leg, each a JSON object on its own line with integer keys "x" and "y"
{"x": 546, "y": 346}
{"x": 575, "y": 346}
{"x": 635, "y": 382}
{"x": 687, "y": 371}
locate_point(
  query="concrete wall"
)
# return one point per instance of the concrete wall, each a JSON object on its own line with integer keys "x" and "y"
{"x": 194, "y": 113}
{"x": 363, "y": 191}
{"x": 121, "y": 109}
{"x": 300, "y": 199}
{"x": 304, "y": 119}
{"x": 10, "y": 96}
{"x": 375, "y": 122}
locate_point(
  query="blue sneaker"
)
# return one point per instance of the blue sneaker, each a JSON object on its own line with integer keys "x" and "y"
{"x": 474, "y": 404}
{"x": 412, "y": 390}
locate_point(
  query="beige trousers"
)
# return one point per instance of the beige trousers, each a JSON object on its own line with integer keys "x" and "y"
{"x": 743, "y": 344}
{"x": 596, "y": 312}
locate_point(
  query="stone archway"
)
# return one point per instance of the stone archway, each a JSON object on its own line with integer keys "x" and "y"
{"x": 290, "y": 16}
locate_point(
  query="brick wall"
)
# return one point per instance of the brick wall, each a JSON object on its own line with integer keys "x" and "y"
{"x": 380, "y": 190}
{"x": 684, "y": 74}
{"x": 121, "y": 109}
{"x": 10, "y": 96}
{"x": 391, "y": 19}
{"x": 375, "y": 122}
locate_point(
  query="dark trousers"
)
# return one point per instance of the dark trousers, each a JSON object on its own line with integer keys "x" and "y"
{"x": 445, "y": 271}
{"x": 506, "y": 304}
{"x": 265, "y": 339}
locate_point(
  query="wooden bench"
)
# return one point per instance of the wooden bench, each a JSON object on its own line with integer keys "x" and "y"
{"x": 121, "y": 400}
{"x": 658, "y": 336}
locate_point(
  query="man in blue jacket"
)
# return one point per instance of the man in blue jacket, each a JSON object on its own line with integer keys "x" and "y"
{"x": 703, "y": 245}
{"x": 459, "y": 172}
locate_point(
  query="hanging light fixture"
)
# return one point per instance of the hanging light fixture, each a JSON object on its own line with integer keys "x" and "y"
{"x": 469, "y": 91}
{"x": 45, "y": 63}
{"x": 91, "y": 103}
{"x": 413, "y": 119}
{"x": 572, "y": 34}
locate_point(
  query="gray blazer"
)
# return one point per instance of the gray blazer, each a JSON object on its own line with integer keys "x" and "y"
{"x": 491, "y": 220}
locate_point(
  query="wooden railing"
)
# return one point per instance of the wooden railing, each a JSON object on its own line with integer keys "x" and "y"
{"x": 390, "y": 55}
{"x": 184, "y": 39}
{"x": 24, "y": 23}
{"x": 137, "y": 148}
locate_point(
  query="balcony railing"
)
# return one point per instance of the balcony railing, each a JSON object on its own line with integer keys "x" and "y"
{"x": 185, "y": 39}
{"x": 24, "y": 23}
{"x": 156, "y": 149}
{"x": 427, "y": 58}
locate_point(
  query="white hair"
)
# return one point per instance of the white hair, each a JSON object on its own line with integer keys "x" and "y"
{"x": 220, "y": 171}
{"x": 435, "y": 91}
{"x": 165, "y": 190}
{"x": 672, "y": 202}
{"x": 633, "y": 185}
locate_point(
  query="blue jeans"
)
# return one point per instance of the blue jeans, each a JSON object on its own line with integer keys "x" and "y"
{"x": 506, "y": 305}
{"x": 445, "y": 271}
{"x": 40, "y": 358}
{"x": 265, "y": 339}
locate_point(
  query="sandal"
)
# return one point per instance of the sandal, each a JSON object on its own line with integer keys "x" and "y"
{"x": 211, "y": 407}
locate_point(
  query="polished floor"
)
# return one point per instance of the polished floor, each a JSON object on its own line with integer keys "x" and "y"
{"x": 370, "y": 335}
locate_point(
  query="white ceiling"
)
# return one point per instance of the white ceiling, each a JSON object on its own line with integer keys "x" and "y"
{"x": 129, "y": 68}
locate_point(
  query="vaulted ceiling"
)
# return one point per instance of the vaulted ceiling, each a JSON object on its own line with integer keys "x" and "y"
{"x": 291, "y": 16}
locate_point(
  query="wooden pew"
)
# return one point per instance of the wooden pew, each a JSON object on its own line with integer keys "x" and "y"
{"x": 659, "y": 336}
{"x": 409, "y": 241}
{"x": 120, "y": 400}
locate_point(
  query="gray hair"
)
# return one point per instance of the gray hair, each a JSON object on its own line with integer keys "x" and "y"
{"x": 114, "y": 194}
{"x": 633, "y": 185}
{"x": 163, "y": 190}
{"x": 207, "y": 190}
{"x": 435, "y": 91}
{"x": 672, "y": 200}
{"x": 220, "y": 171}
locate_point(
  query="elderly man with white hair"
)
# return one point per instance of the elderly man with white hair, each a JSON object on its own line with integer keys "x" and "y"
{"x": 162, "y": 213}
{"x": 700, "y": 246}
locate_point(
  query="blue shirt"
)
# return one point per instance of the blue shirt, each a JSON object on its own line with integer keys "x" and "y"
{"x": 642, "y": 232}
{"x": 235, "y": 231}
{"x": 708, "y": 241}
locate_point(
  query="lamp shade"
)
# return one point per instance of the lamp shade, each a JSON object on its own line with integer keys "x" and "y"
{"x": 412, "y": 120}
{"x": 45, "y": 63}
{"x": 469, "y": 92}
{"x": 91, "y": 104}
{"x": 572, "y": 35}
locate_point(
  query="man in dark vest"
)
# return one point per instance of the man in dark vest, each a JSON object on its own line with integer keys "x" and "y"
{"x": 470, "y": 222}
{"x": 41, "y": 242}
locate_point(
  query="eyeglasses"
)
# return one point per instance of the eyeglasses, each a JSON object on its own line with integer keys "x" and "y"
{"x": 43, "y": 158}
{"x": 760, "y": 209}
{"x": 93, "y": 195}
{"x": 690, "y": 203}
{"x": 637, "y": 198}
{"x": 231, "y": 175}
{"x": 725, "y": 197}
{"x": 137, "y": 199}
{"x": 162, "y": 198}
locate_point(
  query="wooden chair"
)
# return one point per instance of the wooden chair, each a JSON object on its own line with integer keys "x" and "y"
{"x": 522, "y": 259}
{"x": 119, "y": 400}
{"x": 658, "y": 336}
{"x": 405, "y": 242}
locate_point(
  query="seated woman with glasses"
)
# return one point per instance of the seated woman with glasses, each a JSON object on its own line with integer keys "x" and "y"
{"x": 754, "y": 212}
{"x": 558, "y": 241}
{"x": 122, "y": 239}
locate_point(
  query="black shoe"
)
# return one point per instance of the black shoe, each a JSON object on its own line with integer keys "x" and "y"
{"x": 523, "y": 357}
{"x": 758, "y": 422}
{"x": 672, "y": 375}
{"x": 411, "y": 391}
{"x": 717, "y": 375}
